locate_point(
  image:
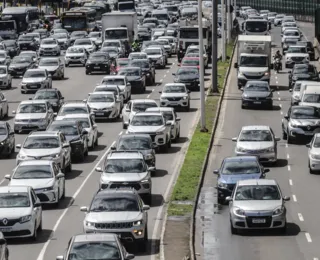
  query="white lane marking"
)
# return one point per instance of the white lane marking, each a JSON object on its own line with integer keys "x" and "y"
{"x": 45, "y": 246}
{"x": 294, "y": 198}
{"x": 290, "y": 182}
{"x": 279, "y": 99}
{"x": 173, "y": 64}
{"x": 288, "y": 156}
{"x": 280, "y": 105}
{"x": 281, "y": 112}
{"x": 277, "y": 82}
{"x": 315, "y": 258}
{"x": 165, "y": 75}
{"x": 120, "y": 133}
{"x": 289, "y": 168}
{"x": 300, "y": 217}
{"x": 278, "y": 93}
{"x": 2, "y": 181}
{"x": 167, "y": 71}
{"x": 161, "y": 80}
{"x": 286, "y": 145}
{"x": 148, "y": 96}
{"x": 152, "y": 90}
{"x": 308, "y": 237}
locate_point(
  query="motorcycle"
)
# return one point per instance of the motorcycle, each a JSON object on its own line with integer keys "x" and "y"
{"x": 277, "y": 65}
{"x": 136, "y": 49}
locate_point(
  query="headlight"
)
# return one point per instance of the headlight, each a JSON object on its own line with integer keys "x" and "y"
{"x": 278, "y": 211}
{"x": 266, "y": 73}
{"x": 146, "y": 179}
{"x": 160, "y": 132}
{"x": 89, "y": 224}
{"x": 55, "y": 155}
{"x": 138, "y": 223}
{"x": 293, "y": 125}
{"x": 48, "y": 188}
{"x": 222, "y": 185}
{"x": 240, "y": 74}
{"x": 185, "y": 98}
{"x": 271, "y": 149}
{"x": 23, "y": 84}
{"x": 25, "y": 219}
{"x": 22, "y": 156}
{"x": 149, "y": 156}
{"x": 238, "y": 211}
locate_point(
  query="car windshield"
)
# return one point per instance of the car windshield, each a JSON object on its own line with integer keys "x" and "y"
{"x": 32, "y": 108}
{"x": 3, "y": 71}
{"x": 66, "y": 129}
{"x": 33, "y": 172}
{"x": 2, "y": 55}
{"x": 48, "y": 62}
{"x": 129, "y": 72}
{"x": 174, "y": 89}
{"x": 140, "y": 64}
{"x": 291, "y": 33}
{"x": 311, "y": 98}
{"x": 78, "y": 34}
{"x": 305, "y": 113}
{"x": 73, "y": 110}
{"x": 82, "y": 42}
{"x": 152, "y": 51}
{"x": 122, "y": 63}
{"x": 14, "y": 200}
{"x": 26, "y": 38}
{"x": 190, "y": 62}
{"x": 94, "y": 250}
{"x": 255, "y": 136}
{"x": 254, "y": 61}
{"x": 297, "y": 87}
{"x": 75, "y": 50}
{"x": 49, "y": 42}
{"x": 168, "y": 115}
{"x": 83, "y": 121}
{"x": 256, "y": 87}
{"x": 125, "y": 166}
{"x": 114, "y": 204}
{"x": 297, "y": 49}
{"x": 240, "y": 167}
{"x": 257, "y": 192}
{"x": 19, "y": 60}
{"x": 60, "y": 36}
{"x": 141, "y": 107}
{"x": 43, "y": 95}
{"x": 147, "y": 121}
{"x": 98, "y": 56}
{"x": 41, "y": 142}
{"x": 113, "y": 81}
{"x": 100, "y": 98}
{"x": 187, "y": 71}
{"x": 134, "y": 144}
{"x": 34, "y": 74}
{"x": 94, "y": 35}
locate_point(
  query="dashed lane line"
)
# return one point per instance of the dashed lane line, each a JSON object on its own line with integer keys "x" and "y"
{"x": 308, "y": 237}
{"x": 294, "y": 198}
{"x": 120, "y": 133}
{"x": 148, "y": 96}
{"x": 290, "y": 182}
{"x": 289, "y": 168}
{"x": 300, "y": 217}
{"x": 288, "y": 156}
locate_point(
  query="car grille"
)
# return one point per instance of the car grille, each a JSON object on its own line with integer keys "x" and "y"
{"x": 42, "y": 197}
{"x": 253, "y": 76}
{"x": 48, "y": 49}
{"x": 257, "y": 151}
{"x": 10, "y": 222}
{"x": 32, "y": 86}
{"x": 297, "y": 59}
{"x": 75, "y": 58}
{"x": 117, "y": 185}
{"x": 118, "y": 225}
{"x": 174, "y": 98}
{"x": 309, "y": 127}
{"x": 259, "y": 225}
{"x": 257, "y": 98}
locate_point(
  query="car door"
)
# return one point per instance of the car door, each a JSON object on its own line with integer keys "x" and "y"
{"x": 10, "y": 135}
{"x": 37, "y": 210}
{"x": 66, "y": 150}
{"x": 59, "y": 181}
{"x": 4, "y": 104}
{"x": 126, "y": 111}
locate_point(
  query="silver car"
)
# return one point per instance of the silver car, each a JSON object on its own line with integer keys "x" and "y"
{"x": 257, "y": 140}
{"x": 156, "y": 56}
{"x": 35, "y": 79}
{"x": 63, "y": 40}
{"x": 49, "y": 46}
{"x": 175, "y": 95}
{"x": 257, "y": 204}
{"x": 4, "y": 58}
{"x": 76, "y": 55}
{"x": 314, "y": 154}
{"x": 54, "y": 66}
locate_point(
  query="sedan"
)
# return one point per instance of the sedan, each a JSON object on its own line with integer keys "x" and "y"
{"x": 49, "y": 46}
{"x": 5, "y": 77}
{"x": 147, "y": 68}
{"x": 77, "y": 35}
{"x": 136, "y": 78}
{"x": 113, "y": 52}
{"x": 52, "y": 95}
{"x": 303, "y": 72}
{"x": 19, "y": 65}
{"x": 98, "y": 61}
{"x": 314, "y": 154}
{"x": 54, "y": 66}
{"x": 63, "y": 40}
{"x": 188, "y": 76}
{"x": 258, "y": 94}
{"x": 35, "y": 79}
{"x": 85, "y": 43}
{"x": 175, "y": 95}
{"x": 7, "y": 139}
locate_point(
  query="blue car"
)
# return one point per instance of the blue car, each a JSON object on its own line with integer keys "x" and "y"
{"x": 234, "y": 169}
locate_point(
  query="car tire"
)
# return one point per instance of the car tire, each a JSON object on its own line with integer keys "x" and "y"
{"x": 87, "y": 72}
{"x": 284, "y": 135}
{"x": 221, "y": 201}
{"x": 81, "y": 157}
{"x": 64, "y": 192}
{"x": 289, "y": 139}
{"x": 56, "y": 205}
{"x": 148, "y": 199}
{"x": 40, "y": 226}
{"x": 10, "y": 85}
{"x": 169, "y": 143}
{"x": 35, "y": 233}
{"x": 234, "y": 231}
{"x": 67, "y": 64}
{"x": 96, "y": 143}
{"x": 69, "y": 167}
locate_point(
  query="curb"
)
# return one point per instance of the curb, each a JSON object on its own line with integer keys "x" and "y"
{"x": 205, "y": 164}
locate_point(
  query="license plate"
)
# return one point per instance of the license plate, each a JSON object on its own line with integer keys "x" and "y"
{"x": 257, "y": 102}
{"x": 33, "y": 86}
{"x": 174, "y": 103}
{"x": 258, "y": 220}
{"x": 96, "y": 67}
{"x": 99, "y": 114}
{"x": 5, "y": 229}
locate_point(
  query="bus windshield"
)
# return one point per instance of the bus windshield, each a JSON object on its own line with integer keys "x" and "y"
{"x": 256, "y": 27}
{"x": 74, "y": 23}
{"x": 191, "y": 33}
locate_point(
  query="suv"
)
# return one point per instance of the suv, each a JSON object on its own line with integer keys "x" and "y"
{"x": 121, "y": 211}
{"x": 123, "y": 169}
{"x": 154, "y": 124}
{"x": 74, "y": 108}
{"x": 35, "y": 79}
{"x": 175, "y": 95}
{"x": 46, "y": 145}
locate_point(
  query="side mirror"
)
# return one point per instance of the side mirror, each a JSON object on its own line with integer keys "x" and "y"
{"x": 241, "y": 89}
{"x": 18, "y": 146}
{"x": 266, "y": 170}
{"x": 151, "y": 169}
{"x": 95, "y": 126}
{"x": 277, "y": 139}
{"x": 8, "y": 177}
{"x": 228, "y": 199}
{"x": 84, "y": 209}
{"x": 37, "y": 204}
{"x": 234, "y": 139}
{"x": 129, "y": 256}
{"x": 286, "y": 198}
{"x": 84, "y": 132}
{"x": 236, "y": 65}
{"x": 216, "y": 172}
{"x": 145, "y": 207}
{"x": 65, "y": 145}
{"x": 307, "y": 145}
{"x": 60, "y": 175}
{"x": 98, "y": 169}
{"x": 14, "y": 112}
{"x": 128, "y": 84}
{"x": 286, "y": 117}
{"x": 178, "y": 119}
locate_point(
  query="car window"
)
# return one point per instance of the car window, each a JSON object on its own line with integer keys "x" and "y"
{"x": 257, "y": 192}
{"x": 255, "y": 136}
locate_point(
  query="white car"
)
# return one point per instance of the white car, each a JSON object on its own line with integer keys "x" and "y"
{"x": 21, "y": 212}
{"x": 166, "y": 45}
{"x": 44, "y": 176}
{"x": 114, "y": 43}
{"x": 33, "y": 54}
{"x": 63, "y": 40}
{"x": 96, "y": 37}
{"x": 287, "y": 25}
{"x": 35, "y": 79}
{"x": 278, "y": 19}
{"x": 4, "y": 106}
{"x": 104, "y": 105}
{"x": 86, "y": 43}
{"x": 175, "y": 95}
{"x": 75, "y": 55}
{"x": 88, "y": 123}
{"x": 156, "y": 56}
{"x": 137, "y": 56}
{"x": 5, "y": 77}
{"x": 120, "y": 81}
{"x": 49, "y": 46}
{"x": 291, "y": 34}
{"x": 111, "y": 88}
{"x": 172, "y": 41}
{"x": 54, "y": 66}
{"x": 133, "y": 107}
{"x": 314, "y": 153}
{"x": 73, "y": 108}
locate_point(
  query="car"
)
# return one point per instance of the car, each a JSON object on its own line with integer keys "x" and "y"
{"x": 33, "y": 54}
{"x": 99, "y": 245}
{"x": 257, "y": 94}
{"x": 287, "y": 43}
{"x": 296, "y": 55}
{"x": 55, "y": 31}
{"x": 54, "y": 66}
{"x": 7, "y": 139}
{"x": 306, "y": 72}
{"x": 112, "y": 51}
{"x": 147, "y": 68}
{"x": 190, "y": 61}
{"x": 35, "y": 79}
{"x": 313, "y": 154}
{"x": 272, "y": 17}
{"x": 135, "y": 77}
{"x": 75, "y": 55}
{"x": 71, "y": 108}
{"x": 137, "y": 56}
{"x": 288, "y": 25}
{"x": 44, "y": 176}
{"x": 32, "y": 115}
{"x": 154, "y": 124}
{"x": 115, "y": 43}
{"x": 77, "y": 35}
{"x": 88, "y": 123}
{"x": 301, "y": 122}
{"x": 53, "y": 96}
{"x": 111, "y": 88}
{"x": 36, "y": 36}
{"x": 175, "y": 95}
{"x": 46, "y": 146}
{"x": 96, "y": 37}
{"x": 127, "y": 169}
{"x": 195, "y": 49}
{"x": 75, "y": 134}
{"x": 138, "y": 142}
{"x": 156, "y": 55}
{"x": 133, "y": 107}
{"x": 258, "y": 140}
{"x": 43, "y": 33}
{"x": 85, "y": 43}
{"x": 104, "y": 105}
{"x": 19, "y": 65}
{"x": 291, "y": 34}
{"x": 144, "y": 34}
{"x": 123, "y": 209}
{"x": 237, "y": 168}
{"x": 12, "y": 47}
{"x": 172, "y": 41}
{"x": 49, "y": 46}
{"x": 27, "y": 42}
{"x": 4, "y": 106}
{"x": 98, "y": 61}
{"x": 189, "y": 76}
{"x": 278, "y": 19}
{"x": 4, "y": 58}
{"x": 21, "y": 212}
{"x": 257, "y": 204}
{"x": 62, "y": 39}
{"x": 122, "y": 82}
{"x": 5, "y": 77}
{"x": 121, "y": 63}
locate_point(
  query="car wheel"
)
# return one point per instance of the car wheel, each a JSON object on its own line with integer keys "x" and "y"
{"x": 143, "y": 244}
{"x": 96, "y": 142}
{"x": 81, "y": 157}
{"x": 124, "y": 126}
{"x": 169, "y": 143}
{"x": 284, "y": 135}
{"x": 58, "y": 200}
{"x": 35, "y": 232}
{"x": 9, "y": 85}
{"x": 283, "y": 230}
{"x": 87, "y": 72}
{"x": 69, "y": 167}
{"x": 67, "y": 64}
{"x": 221, "y": 201}
{"x": 64, "y": 191}
{"x": 234, "y": 231}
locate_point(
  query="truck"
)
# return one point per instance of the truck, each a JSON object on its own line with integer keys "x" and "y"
{"x": 119, "y": 26}
{"x": 126, "y": 6}
{"x": 253, "y": 58}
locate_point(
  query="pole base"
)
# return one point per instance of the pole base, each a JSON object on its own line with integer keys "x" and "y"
{"x": 204, "y": 130}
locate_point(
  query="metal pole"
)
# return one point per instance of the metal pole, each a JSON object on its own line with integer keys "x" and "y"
{"x": 214, "y": 47}
{"x": 201, "y": 46}
{"x": 229, "y": 28}
{"x": 223, "y": 31}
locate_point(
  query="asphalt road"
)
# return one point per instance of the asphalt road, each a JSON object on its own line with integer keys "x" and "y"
{"x": 82, "y": 183}
{"x": 213, "y": 236}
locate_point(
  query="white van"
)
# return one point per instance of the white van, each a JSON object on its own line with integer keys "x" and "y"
{"x": 311, "y": 97}
{"x": 303, "y": 87}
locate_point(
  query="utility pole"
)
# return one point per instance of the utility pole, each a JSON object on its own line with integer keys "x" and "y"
{"x": 214, "y": 47}
{"x": 229, "y": 21}
{"x": 201, "y": 46}
{"x": 223, "y": 31}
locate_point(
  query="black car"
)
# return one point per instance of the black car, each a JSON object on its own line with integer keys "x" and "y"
{"x": 98, "y": 61}
{"x": 27, "y": 42}
{"x": 188, "y": 76}
{"x": 52, "y": 95}
{"x": 258, "y": 94}
{"x": 19, "y": 65}
{"x": 12, "y": 47}
{"x": 303, "y": 72}
{"x": 144, "y": 34}
{"x": 147, "y": 68}
{"x": 136, "y": 78}
{"x": 77, "y": 35}
{"x": 7, "y": 139}
{"x": 311, "y": 51}
{"x": 75, "y": 135}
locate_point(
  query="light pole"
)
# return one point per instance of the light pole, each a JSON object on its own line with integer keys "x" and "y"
{"x": 223, "y": 32}
{"x": 214, "y": 47}
{"x": 229, "y": 20}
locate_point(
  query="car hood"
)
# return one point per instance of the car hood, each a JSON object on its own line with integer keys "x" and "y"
{"x": 154, "y": 56}
{"x": 289, "y": 55}
{"x": 23, "y": 116}
{"x": 123, "y": 177}
{"x": 62, "y": 40}
{"x": 253, "y": 71}
{"x": 232, "y": 179}
{"x": 49, "y": 68}
{"x": 165, "y": 95}
{"x": 256, "y": 94}
{"x": 98, "y": 105}
{"x": 254, "y": 145}
{"x": 48, "y": 46}
{"x": 14, "y": 213}
{"x": 106, "y": 217}
{"x": 39, "y": 152}
{"x": 309, "y": 104}
{"x": 305, "y": 122}
{"x": 74, "y": 54}
{"x": 32, "y": 80}
{"x": 133, "y": 78}
{"x": 96, "y": 61}
{"x": 257, "y": 205}
{"x": 145, "y": 129}
{"x": 34, "y": 183}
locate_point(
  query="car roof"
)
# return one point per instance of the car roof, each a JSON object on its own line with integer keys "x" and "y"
{"x": 241, "y": 158}
{"x": 101, "y": 93}
{"x": 175, "y": 84}
{"x": 37, "y": 101}
{"x": 61, "y": 122}
{"x": 143, "y": 101}
{"x": 120, "y": 192}
{"x": 7, "y": 189}
{"x": 44, "y": 133}
{"x": 257, "y": 182}
{"x": 95, "y": 237}
{"x": 132, "y": 68}
{"x": 159, "y": 109}
{"x": 125, "y": 155}
{"x": 36, "y": 162}
{"x": 191, "y": 58}
{"x": 147, "y": 113}
{"x": 256, "y": 127}
{"x": 37, "y": 70}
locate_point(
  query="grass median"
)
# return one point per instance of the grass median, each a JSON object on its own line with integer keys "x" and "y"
{"x": 185, "y": 189}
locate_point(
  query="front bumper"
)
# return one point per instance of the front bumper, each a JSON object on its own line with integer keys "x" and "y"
{"x": 29, "y": 126}
{"x": 97, "y": 67}
{"x": 191, "y": 85}
{"x": 46, "y": 196}
{"x": 32, "y": 87}
{"x": 75, "y": 60}
{"x": 49, "y": 52}
{"x": 18, "y": 230}
{"x": 257, "y": 102}
{"x": 263, "y": 156}
{"x": 17, "y": 72}
{"x": 300, "y": 133}
{"x": 57, "y": 160}
{"x": 314, "y": 164}
{"x": 174, "y": 102}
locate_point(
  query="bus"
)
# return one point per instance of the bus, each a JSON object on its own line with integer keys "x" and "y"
{"x": 78, "y": 19}
{"x": 21, "y": 15}
{"x": 100, "y": 8}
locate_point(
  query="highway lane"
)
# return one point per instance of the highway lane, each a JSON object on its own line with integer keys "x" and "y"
{"x": 60, "y": 224}
{"x": 213, "y": 236}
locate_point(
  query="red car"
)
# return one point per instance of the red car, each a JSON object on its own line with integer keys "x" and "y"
{"x": 120, "y": 63}
{"x": 190, "y": 61}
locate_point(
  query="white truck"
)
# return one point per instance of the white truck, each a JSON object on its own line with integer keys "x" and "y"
{"x": 253, "y": 58}
{"x": 119, "y": 26}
